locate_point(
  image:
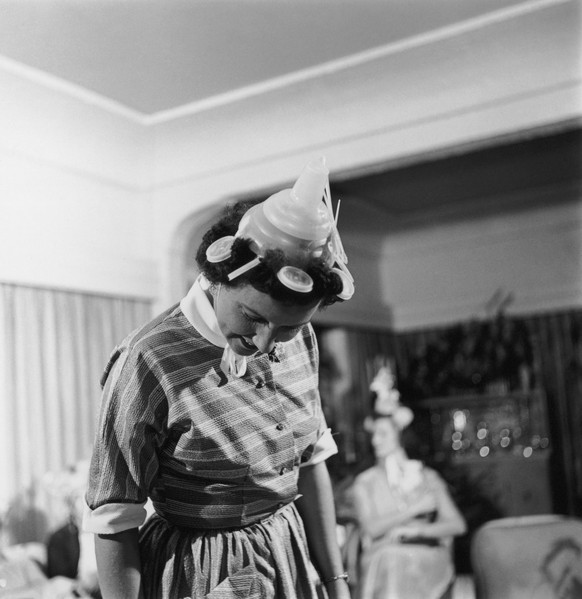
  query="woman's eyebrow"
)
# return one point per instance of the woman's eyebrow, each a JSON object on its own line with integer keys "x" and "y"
{"x": 252, "y": 312}
{"x": 257, "y": 315}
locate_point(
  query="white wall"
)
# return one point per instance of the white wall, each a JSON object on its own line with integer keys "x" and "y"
{"x": 447, "y": 274}
{"x": 75, "y": 199}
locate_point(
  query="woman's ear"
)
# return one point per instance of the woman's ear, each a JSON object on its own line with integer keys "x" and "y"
{"x": 214, "y": 292}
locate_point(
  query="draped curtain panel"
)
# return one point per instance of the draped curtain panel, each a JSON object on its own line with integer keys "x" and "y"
{"x": 54, "y": 345}
{"x": 558, "y": 337}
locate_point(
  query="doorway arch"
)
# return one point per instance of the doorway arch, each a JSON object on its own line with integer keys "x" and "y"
{"x": 187, "y": 238}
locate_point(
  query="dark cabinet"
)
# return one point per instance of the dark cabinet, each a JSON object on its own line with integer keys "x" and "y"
{"x": 497, "y": 445}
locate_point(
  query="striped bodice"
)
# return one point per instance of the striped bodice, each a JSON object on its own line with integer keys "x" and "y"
{"x": 212, "y": 451}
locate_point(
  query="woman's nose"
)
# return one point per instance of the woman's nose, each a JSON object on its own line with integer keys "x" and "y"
{"x": 265, "y": 339}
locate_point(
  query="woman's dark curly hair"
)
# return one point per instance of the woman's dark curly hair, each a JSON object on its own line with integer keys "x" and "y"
{"x": 263, "y": 277}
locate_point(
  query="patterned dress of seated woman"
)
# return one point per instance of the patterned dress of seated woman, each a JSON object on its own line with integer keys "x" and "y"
{"x": 406, "y": 515}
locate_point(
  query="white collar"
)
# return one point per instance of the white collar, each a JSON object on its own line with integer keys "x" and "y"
{"x": 200, "y": 314}
{"x": 403, "y": 472}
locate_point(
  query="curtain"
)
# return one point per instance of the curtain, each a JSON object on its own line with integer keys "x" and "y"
{"x": 558, "y": 339}
{"x": 53, "y": 347}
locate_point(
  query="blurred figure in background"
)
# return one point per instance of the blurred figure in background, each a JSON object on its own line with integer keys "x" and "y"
{"x": 406, "y": 515}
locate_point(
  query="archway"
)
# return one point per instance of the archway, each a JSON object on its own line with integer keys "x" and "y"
{"x": 186, "y": 241}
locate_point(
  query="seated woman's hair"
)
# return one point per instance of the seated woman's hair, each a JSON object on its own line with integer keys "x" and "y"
{"x": 326, "y": 284}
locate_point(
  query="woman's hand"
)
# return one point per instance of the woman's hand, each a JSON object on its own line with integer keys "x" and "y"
{"x": 407, "y": 531}
{"x": 338, "y": 589}
{"x": 422, "y": 505}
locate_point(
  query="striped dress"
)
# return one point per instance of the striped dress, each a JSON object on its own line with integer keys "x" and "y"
{"x": 217, "y": 455}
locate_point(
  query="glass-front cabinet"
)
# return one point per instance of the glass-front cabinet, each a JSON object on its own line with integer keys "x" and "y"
{"x": 498, "y": 444}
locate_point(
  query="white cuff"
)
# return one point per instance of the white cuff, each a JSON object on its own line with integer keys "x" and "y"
{"x": 112, "y": 518}
{"x": 324, "y": 448}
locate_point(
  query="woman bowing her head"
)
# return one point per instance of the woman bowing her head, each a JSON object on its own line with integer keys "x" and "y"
{"x": 211, "y": 414}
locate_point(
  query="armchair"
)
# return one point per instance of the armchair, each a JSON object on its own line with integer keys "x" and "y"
{"x": 528, "y": 557}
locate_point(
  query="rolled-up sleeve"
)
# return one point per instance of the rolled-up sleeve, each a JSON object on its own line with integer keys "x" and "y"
{"x": 324, "y": 448}
{"x": 124, "y": 461}
{"x": 111, "y": 518}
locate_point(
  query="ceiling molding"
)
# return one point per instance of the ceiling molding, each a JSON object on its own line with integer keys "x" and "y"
{"x": 355, "y": 60}
{"x": 69, "y": 89}
{"x": 459, "y": 149}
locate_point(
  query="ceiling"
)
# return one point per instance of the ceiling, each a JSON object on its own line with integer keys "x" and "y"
{"x": 152, "y": 56}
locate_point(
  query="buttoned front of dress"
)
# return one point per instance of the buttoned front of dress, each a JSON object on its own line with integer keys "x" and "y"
{"x": 212, "y": 451}
{"x": 240, "y": 449}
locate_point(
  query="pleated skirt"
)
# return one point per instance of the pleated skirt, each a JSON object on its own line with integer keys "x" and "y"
{"x": 266, "y": 560}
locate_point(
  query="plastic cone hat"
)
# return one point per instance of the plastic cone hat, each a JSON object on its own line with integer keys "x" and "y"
{"x": 300, "y": 222}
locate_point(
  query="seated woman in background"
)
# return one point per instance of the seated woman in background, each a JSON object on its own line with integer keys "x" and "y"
{"x": 405, "y": 512}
